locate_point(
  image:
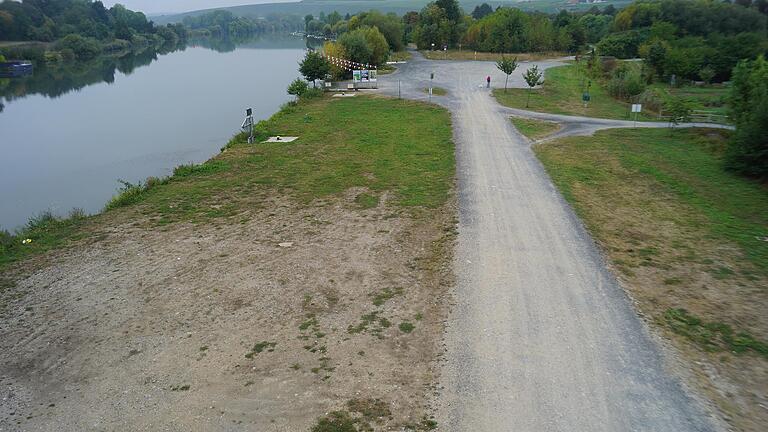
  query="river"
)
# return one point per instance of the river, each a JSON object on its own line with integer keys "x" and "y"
{"x": 68, "y": 136}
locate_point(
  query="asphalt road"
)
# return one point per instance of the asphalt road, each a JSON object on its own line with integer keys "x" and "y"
{"x": 542, "y": 337}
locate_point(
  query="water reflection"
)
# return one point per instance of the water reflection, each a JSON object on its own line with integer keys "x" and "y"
{"x": 54, "y": 80}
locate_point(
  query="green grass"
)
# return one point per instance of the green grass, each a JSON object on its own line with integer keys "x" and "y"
{"x": 436, "y": 91}
{"x": 45, "y": 231}
{"x": 561, "y": 93}
{"x": 400, "y": 56}
{"x": 399, "y": 146}
{"x": 382, "y": 296}
{"x": 367, "y": 201}
{"x": 685, "y": 165}
{"x": 713, "y": 336}
{"x": 534, "y": 129}
{"x": 711, "y": 98}
{"x": 406, "y": 327}
{"x": 260, "y": 347}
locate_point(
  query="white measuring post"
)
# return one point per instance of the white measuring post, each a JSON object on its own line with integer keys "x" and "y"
{"x": 431, "y": 79}
{"x": 636, "y": 109}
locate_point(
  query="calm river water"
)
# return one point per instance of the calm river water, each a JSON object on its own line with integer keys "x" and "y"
{"x": 66, "y": 138}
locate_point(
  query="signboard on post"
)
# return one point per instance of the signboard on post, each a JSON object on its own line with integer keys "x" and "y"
{"x": 364, "y": 76}
{"x": 636, "y": 109}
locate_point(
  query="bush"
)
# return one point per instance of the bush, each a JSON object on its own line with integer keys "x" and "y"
{"x": 298, "y": 87}
{"x": 117, "y": 45}
{"x": 652, "y": 99}
{"x": 626, "y": 82}
{"x": 312, "y": 93}
{"x": 622, "y": 45}
{"x": 83, "y": 47}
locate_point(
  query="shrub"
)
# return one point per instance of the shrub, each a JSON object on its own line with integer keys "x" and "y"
{"x": 83, "y": 47}
{"x": 313, "y": 93}
{"x": 626, "y": 82}
{"x": 298, "y": 87}
{"x": 117, "y": 45}
{"x": 622, "y": 45}
{"x": 652, "y": 99}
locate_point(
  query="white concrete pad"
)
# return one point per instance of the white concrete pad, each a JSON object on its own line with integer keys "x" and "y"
{"x": 345, "y": 95}
{"x": 285, "y": 139}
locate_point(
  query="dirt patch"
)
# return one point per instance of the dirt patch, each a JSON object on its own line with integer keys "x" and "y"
{"x": 210, "y": 326}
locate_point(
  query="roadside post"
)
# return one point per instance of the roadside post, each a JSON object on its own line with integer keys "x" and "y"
{"x": 399, "y": 95}
{"x": 586, "y": 97}
{"x": 431, "y": 78}
{"x": 636, "y": 109}
{"x": 248, "y": 124}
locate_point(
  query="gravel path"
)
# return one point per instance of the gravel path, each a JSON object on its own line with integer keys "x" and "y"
{"x": 541, "y": 338}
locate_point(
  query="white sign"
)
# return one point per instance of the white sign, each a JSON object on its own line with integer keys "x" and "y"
{"x": 636, "y": 108}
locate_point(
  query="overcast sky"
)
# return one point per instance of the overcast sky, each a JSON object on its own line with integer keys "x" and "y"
{"x": 162, "y": 6}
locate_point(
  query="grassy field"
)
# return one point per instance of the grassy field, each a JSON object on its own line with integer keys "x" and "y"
{"x": 561, "y": 94}
{"x": 711, "y": 98}
{"x": 400, "y": 147}
{"x": 534, "y": 129}
{"x": 454, "y": 54}
{"x": 688, "y": 240}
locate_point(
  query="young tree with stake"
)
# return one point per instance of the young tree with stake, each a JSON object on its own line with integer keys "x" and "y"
{"x": 507, "y": 66}
{"x": 533, "y": 78}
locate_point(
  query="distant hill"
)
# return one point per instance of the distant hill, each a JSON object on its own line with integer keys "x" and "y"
{"x": 400, "y": 7}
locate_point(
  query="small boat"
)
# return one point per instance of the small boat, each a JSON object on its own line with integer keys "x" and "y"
{"x": 15, "y": 68}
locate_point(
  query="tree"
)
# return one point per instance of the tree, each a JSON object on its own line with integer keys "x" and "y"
{"x": 298, "y": 87}
{"x": 747, "y": 151}
{"x": 365, "y": 45}
{"x": 707, "y": 73}
{"x": 507, "y": 66}
{"x": 451, "y": 8}
{"x": 307, "y": 19}
{"x": 481, "y": 11}
{"x": 389, "y": 25}
{"x": 679, "y": 111}
{"x": 656, "y": 57}
{"x": 314, "y": 67}
{"x": 533, "y": 77}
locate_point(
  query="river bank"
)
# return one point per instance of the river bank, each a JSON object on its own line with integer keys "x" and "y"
{"x": 266, "y": 287}
{"x": 201, "y": 93}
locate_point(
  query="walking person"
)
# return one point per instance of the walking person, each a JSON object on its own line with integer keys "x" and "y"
{"x": 488, "y": 82}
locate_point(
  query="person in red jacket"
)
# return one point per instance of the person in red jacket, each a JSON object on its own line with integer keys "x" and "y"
{"x": 488, "y": 82}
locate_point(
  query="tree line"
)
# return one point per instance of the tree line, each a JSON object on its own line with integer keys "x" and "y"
{"x": 223, "y": 23}
{"x": 80, "y": 29}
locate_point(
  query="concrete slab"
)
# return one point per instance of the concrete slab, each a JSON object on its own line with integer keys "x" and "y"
{"x": 345, "y": 95}
{"x": 284, "y": 139}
